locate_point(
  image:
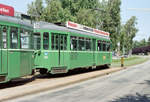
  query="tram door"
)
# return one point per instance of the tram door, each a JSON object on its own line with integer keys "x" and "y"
{"x": 59, "y": 44}
{"x": 62, "y": 46}
{"x": 3, "y": 50}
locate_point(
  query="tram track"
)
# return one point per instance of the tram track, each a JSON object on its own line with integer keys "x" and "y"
{"x": 34, "y": 84}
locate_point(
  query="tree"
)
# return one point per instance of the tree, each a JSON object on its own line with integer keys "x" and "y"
{"x": 64, "y": 10}
{"x": 82, "y": 11}
{"x": 36, "y": 9}
{"x": 130, "y": 31}
{"x": 136, "y": 44}
{"x": 143, "y": 43}
{"x": 140, "y": 43}
{"x": 53, "y": 11}
{"x": 85, "y": 14}
{"x": 111, "y": 20}
{"x": 122, "y": 39}
{"x": 148, "y": 43}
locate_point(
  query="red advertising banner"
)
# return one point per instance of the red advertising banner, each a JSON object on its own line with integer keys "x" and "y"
{"x": 85, "y": 28}
{"x": 6, "y": 10}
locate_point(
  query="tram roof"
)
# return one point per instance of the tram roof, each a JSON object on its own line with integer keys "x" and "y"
{"x": 51, "y": 26}
{"x": 15, "y": 20}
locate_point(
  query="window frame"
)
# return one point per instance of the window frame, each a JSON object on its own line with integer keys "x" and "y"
{"x": 58, "y": 41}
{"x": 30, "y": 38}
{"x": 82, "y": 40}
{"x": 100, "y": 43}
{"x": 11, "y": 39}
{"x": 2, "y": 36}
{"x": 48, "y": 40}
{"x": 38, "y": 46}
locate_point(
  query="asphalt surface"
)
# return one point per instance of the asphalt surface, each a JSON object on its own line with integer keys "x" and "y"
{"x": 129, "y": 85}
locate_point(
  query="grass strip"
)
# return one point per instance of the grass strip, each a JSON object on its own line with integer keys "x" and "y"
{"x": 133, "y": 60}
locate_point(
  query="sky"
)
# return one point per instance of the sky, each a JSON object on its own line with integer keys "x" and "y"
{"x": 142, "y": 16}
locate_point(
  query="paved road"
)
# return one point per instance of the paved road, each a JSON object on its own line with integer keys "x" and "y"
{"x": 129, "y": 85}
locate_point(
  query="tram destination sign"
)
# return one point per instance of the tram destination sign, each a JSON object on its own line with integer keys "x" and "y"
{"x": 76, "y": 26}
{"x": 6, "y": 10}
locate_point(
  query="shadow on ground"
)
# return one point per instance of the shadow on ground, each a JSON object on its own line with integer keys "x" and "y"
{"x": 72, "y": 72}
{"x": 133, "y": 98}
{"x": 147, "y": 82}
{"x": 23, "y": 81}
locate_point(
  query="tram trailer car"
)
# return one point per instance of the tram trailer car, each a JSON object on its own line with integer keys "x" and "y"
{"x": 16, "y": 51}
{"x": 60, "y": 49}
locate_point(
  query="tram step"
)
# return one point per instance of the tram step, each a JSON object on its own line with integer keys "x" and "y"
{"x": 57, "y": 70}
{"x": 2, "y": 78}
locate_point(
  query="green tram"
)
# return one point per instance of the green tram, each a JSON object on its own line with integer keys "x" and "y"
{"x": 16, "y": 48}
{"x": 60, "y": 49}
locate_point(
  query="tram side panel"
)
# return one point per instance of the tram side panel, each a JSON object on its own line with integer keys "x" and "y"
{"x": 81, "y": 52}
{"x": 26, "y": 62}
{"x": 104, "y": 56}
{"x": 79, "y": 59}
{"x": 20, "y": 63}
{"x": 13, "y": 64}
{"x": 20, "y": 58}
{"x": 3, "y": 65}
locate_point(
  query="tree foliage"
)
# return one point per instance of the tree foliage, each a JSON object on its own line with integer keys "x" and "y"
{"x": 36, "y": 9}
{"x": 141, "y": 43}
{"x": 129, "y": 31}
{"x": 148, "y": 43}
{"x": 111, "y": 19}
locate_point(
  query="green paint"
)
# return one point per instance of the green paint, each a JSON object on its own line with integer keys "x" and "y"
{"x": 16, "y": 62}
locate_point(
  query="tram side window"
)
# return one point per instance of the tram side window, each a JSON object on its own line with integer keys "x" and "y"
{"x": 32, "y": 40}
{"x": 104, "y": 46}
{"x": 13, "y": 38}
{"x": 81, "y": 44}
{"x": 73, "y": 45}
{"x": 0, "y": 38}
{"x": 61, "y": 38}
{"x": 99, "y": 46}
{"x": 108, "y": 47}
{"x": 46, "y": 40}
{"x": 88, "y": 44}
{"x": 93, "y": 44}
{"x": 25, "y": 37}
{"x": 4, "y": 34}
{"x": 37, "y": 41}
{"x": 58, "y": 42}
{"x": 54, "y": 41}
{"x": 65, "y": 42}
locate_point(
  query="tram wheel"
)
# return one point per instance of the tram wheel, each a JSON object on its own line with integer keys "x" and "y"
{"x": 43, "y": 71}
